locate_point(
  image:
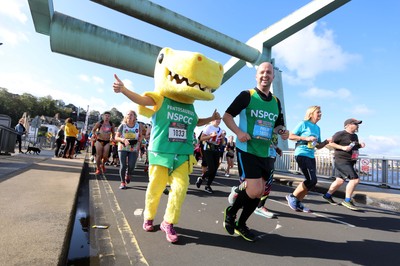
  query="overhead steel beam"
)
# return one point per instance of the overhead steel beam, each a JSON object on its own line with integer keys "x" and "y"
{"x": 256, "y": 50}
{"x": 294, "y": 22}
{"x": 166, "y": 19}
{"x": 281, "y": 30}
{"x": 83, "y": 40}
{"x": 42, "y": 12}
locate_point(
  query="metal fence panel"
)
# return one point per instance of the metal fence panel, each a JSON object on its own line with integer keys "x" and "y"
{"x": 375, "y": 171}
{"x": 8, "y": 137}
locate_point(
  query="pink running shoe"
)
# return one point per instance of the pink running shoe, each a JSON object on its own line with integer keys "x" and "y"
{"x": 148, "y": 225}
{"x": 169, "y": 230}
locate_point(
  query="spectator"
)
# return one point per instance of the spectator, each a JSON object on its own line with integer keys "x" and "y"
{"x": 21, "y": 130}
{"x": 71, "y": 133}
{"x": 59, "y": 140}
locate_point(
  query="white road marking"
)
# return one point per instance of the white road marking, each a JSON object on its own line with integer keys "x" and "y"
{"x": 318, "y": 214}
{"x": 332, "y": 219}
{"x": 124, "y": 229}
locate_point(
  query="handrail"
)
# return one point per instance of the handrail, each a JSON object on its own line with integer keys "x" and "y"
{"x": 8, "y": 137}
{"x": 383, "y": 172}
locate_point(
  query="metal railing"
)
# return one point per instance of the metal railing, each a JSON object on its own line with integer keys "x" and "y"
{"x": 384, "y": 172}
{"x": 38, "y": 141}
{"x": 8, "y": 137}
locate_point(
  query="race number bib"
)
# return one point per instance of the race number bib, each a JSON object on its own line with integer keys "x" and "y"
{"x": 354, "y": 155}
{"x": 177, "y": 132}
{"x": 130, "y": 135}
{"x": 262, "y": 130}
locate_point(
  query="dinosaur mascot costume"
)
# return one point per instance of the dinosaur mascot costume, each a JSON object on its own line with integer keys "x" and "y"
{"x": 180, "y": 77}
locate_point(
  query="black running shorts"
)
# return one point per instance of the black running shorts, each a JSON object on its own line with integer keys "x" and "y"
{"x": 346, "y": 170}
{"x": 253, "y": 167}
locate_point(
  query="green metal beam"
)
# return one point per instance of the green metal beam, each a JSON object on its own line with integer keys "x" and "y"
{"x": 42, "y": 11}
{"x": 83, "y": 40}
{"x": 166, "y": 19}
{"x": 267, "y": 38}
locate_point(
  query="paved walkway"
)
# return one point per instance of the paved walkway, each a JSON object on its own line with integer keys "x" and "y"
{"x": 38, "y": 192}
{"x": 37, "y": 195}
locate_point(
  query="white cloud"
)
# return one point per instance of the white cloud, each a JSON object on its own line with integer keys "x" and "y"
{"x": 126, "y": 106}
{"x": 97, "y": 80}
{"x": 362, "y": 109}
{"x": 128, "y": 83}
{"x": 94, "y": 79}
{"x": 382, "y": 145}
{"x": 29, "y": 83}
{"x": 11, "y": 37}
{"x": 84, "y": 78}
{"x": 315, "y": 92}
{"x": 24, "y": 82}
{"x": 308, "y": 53}
{"x": 13, "y": 9}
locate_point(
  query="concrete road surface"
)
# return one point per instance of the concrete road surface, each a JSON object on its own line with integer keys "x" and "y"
{"x": 330, "y": 235}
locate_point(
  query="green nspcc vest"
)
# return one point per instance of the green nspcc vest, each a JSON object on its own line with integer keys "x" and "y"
{"x": 258, "y": 120}
{"x": 173, "y": 127}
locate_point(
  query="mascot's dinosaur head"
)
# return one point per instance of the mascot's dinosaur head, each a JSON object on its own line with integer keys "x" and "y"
{"x": 186, "y": 76}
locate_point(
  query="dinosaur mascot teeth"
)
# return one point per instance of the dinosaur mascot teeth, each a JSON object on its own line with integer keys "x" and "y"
{"x": 180, "y": 77}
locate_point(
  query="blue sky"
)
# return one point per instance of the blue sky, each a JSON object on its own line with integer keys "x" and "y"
{"x": 347, "y": 62}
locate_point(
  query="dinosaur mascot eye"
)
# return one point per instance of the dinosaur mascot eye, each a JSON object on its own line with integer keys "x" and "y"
{"x": 160, "y": 58}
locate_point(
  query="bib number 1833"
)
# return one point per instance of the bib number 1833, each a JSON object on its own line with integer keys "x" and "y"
{"x": 177, "y": 132}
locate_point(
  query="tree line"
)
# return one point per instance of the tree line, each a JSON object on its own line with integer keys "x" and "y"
{"x": 15, "y": 105}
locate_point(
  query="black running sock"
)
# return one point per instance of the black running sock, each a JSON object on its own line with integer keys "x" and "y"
{"x": 262, "y": 202}
{"x": 248, "y": 208}
{"x": 241, "y": 198}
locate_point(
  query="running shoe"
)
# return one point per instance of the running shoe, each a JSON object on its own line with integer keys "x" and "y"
{"x": 229, "y": 221}
{"x": 227, "y": 175}
{"x": 232, "y": 196}
{"x": 208, "y": 189}
{"x": 98, "y": 172}
{"x": 330, "y": 200}
{"x": 127, "y": 179}
{"x": 262, "y": 211}
{"x": 148, "y": 225}
{"x": 292, "y": 202}
{"x": 199, "y": 181}
{"x": 350, "y": 205}
{"x": 122, "y": 186}
{"x": 301, "y": 207}
{"x": 245, "y": 232}
{"x": 103, "y": 168}
{"x": 170, "y": 232}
